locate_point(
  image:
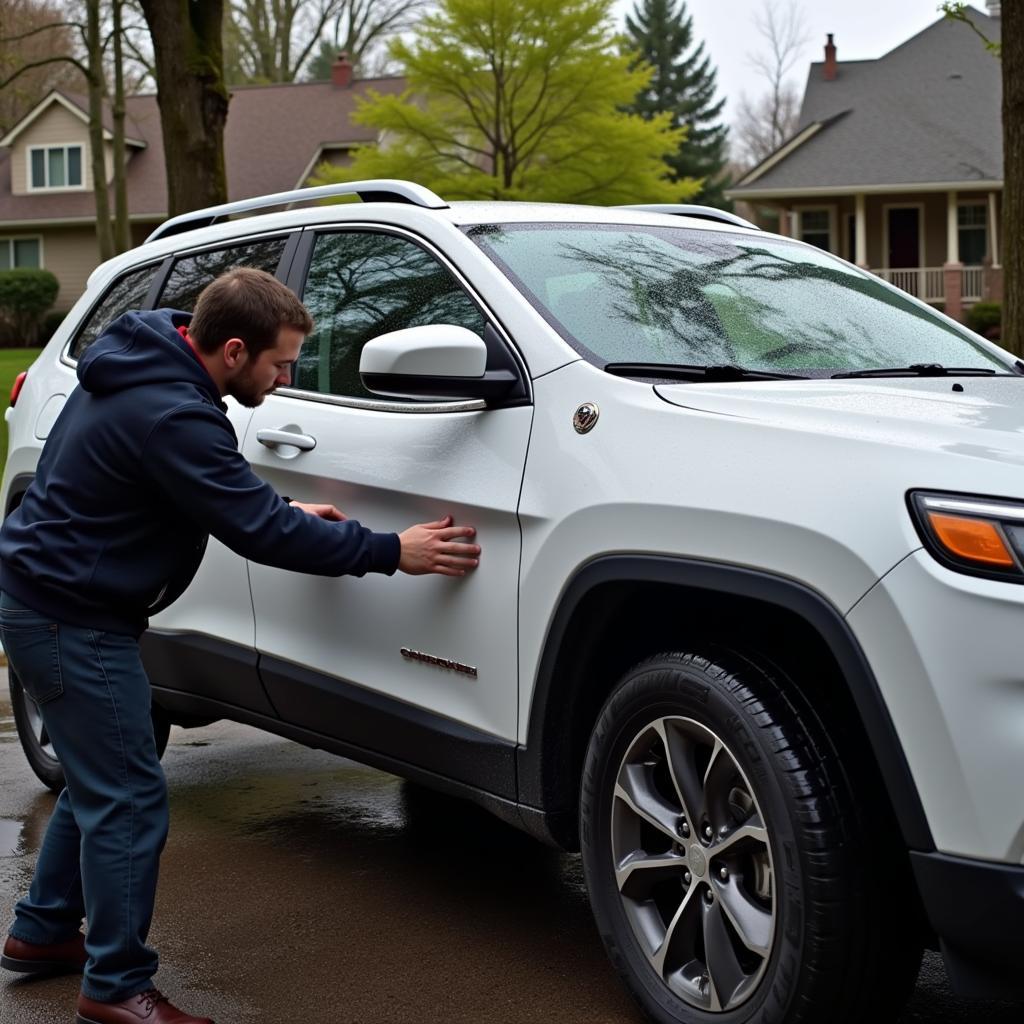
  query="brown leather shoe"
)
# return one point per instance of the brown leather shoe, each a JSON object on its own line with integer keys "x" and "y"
{"x": 27, "y": 958}
{"x": 150, "y": 1007}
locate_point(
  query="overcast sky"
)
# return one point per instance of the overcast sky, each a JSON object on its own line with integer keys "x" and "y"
{"x": 863, "y": 29}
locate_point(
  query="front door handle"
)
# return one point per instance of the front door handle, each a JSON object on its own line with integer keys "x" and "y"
{"x": 272, "y": 438}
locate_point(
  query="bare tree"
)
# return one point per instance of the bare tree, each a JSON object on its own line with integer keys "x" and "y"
{"x": 279, "y": 40}
{"x": 763, "y": 124}
{"x": 31, "y": 31}
{"x": 78, "y": 44}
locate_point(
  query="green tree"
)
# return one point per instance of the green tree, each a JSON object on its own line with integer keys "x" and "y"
{"x": 519, "y": 101}
{"x": 682, "y": 85}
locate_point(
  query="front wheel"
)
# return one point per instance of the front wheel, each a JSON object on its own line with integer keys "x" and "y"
{"x": 729, "y": 875}
{"x": 35, "y": 741}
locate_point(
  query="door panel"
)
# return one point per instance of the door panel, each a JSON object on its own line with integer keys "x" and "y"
{"x": 904, "y": 237}
{"x": 390, "y": 470}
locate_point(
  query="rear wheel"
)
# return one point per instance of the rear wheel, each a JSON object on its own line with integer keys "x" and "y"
{"x": 730, "y": 872}
{"x": 35, "y": 740}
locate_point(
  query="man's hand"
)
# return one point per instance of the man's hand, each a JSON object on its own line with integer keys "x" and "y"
{"x": 433, "y": 548}
{"x": 323, "y": 511}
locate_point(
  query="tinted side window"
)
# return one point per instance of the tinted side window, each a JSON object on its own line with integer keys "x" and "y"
{"x": 191, "y": 274}
{"x": 128, "y": 292}
{"x": 363, "y": 284}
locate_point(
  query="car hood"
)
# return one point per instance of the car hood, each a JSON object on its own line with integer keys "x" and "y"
{"x": 984, "y": 420}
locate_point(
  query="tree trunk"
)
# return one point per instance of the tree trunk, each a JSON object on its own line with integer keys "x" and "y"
{"x": 104, "y": 236}
{"x": 1013, "y": 190}
{"x": 1012, "y": 234}
{"x": 192, "y": 97}
{"x": 122, "y": 228}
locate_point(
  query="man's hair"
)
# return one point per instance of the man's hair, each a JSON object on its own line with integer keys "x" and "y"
{"x": 248, "y": 304}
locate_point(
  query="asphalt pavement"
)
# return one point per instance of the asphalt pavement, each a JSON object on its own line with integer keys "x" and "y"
{"x": 298, "y": 886}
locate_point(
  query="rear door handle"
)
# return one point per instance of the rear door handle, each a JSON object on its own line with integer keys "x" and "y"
{"x": 272, "y": 438}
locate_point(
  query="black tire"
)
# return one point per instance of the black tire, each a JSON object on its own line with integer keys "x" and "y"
{"x": 826, "y": 934}
{"x": 40, "y": 756}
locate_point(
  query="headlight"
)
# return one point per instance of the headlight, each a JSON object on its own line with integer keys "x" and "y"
{"x": 979, "y": 536}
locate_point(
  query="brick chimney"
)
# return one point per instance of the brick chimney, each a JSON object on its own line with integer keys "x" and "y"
{"x": 831, "y": 69}
{"x": 341, "y": 72}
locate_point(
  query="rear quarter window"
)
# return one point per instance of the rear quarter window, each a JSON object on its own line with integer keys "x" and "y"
{"x": 127, "y": 292}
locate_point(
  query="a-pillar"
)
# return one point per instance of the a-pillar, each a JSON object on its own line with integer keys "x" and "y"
{"x": 952, "y": 270}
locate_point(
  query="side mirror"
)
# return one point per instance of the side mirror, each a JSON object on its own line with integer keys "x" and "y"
{"x": 439, "y": 361}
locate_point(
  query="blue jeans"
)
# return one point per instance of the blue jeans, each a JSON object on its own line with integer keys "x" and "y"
{"x": 101, "y": 853}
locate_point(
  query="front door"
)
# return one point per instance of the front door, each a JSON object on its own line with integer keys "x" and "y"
{"x": 904, "y": 236}
{"x": 328, "y": 645}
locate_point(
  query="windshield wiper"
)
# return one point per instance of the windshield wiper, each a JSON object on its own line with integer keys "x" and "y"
{"x": 922, "y": 370}
{"x": 682, "y": 371}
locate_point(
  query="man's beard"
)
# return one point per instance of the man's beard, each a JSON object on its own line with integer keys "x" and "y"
{"x": 244, "y": 391}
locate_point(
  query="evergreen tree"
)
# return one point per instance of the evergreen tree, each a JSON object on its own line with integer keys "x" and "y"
{"x": 683, "y": 85}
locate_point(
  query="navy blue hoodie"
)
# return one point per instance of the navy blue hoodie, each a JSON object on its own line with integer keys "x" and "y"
{"x": 140, "y": 467}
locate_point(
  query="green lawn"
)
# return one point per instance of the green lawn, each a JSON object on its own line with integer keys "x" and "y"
{"x": 12, "y": 362}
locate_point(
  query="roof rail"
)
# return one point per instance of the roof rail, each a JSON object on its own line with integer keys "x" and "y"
{"x": 379, "y": 190}
{"x": 689, "y": 210}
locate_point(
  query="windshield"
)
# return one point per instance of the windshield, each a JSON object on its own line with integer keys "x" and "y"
{"x": 640, "y": 294}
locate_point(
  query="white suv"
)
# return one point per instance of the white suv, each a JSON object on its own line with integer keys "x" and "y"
{"x": 746, "y": 624}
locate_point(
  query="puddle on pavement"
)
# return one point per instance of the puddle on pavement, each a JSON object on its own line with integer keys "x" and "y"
{"x": 10, "y": 838}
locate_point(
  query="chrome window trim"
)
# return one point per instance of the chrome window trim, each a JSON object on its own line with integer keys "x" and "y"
{"x": 466, "y": 405}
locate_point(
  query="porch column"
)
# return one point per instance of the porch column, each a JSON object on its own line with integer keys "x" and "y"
{"x": 952, "y": 270}
{"x": 861, "y": 242}
{"x": 992, "y": 274}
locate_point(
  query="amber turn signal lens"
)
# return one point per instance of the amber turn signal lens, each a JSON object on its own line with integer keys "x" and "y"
{"x": 974, "y": 540}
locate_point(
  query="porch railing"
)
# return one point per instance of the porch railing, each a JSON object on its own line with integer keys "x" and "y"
{"x": 928, "y": 283}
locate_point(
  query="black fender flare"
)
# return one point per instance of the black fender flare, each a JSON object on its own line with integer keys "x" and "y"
{"x": 535, "y": 765}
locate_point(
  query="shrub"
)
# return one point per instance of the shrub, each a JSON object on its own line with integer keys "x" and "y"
{"x": 49, "y": 326}
{"x": 984, "y": 316}
{"x": 25, "y": 295}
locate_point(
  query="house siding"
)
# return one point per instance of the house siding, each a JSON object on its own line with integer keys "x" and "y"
{"x": 55, "y": 126}
{"x": 71, "y": 254}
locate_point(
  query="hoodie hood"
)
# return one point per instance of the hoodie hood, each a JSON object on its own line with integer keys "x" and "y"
{"x": 143, "y": 348}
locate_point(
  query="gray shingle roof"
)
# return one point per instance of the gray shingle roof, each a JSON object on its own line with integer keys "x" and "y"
{"x": 926, "y": 112}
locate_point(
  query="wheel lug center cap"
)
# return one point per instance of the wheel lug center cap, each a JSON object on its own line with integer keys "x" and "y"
{"x": 697, "y": 859}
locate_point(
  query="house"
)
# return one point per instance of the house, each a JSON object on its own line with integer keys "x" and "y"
{"x": 897, "y": 164}
{"x": 275, "y": 137}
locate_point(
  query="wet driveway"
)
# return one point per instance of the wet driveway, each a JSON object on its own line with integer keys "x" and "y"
{"x": 297, "y": 886}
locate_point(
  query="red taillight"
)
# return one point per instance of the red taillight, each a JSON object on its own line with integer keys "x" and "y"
{"x": 16, "y": 390}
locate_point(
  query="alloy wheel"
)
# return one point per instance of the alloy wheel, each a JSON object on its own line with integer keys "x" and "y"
{"x": 693, "y": 863}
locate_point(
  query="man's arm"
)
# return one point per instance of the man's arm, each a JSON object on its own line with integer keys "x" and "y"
{"x": 192, "y": 457}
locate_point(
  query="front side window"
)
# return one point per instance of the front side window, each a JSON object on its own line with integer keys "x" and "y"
{"x": 363, "y": 284}
{"x": 664, "y": 295}
{"x": 126, "y": 293}
{"x": 20, "y": 252}
{"x": 55, "y": 166}
{"x": 192, "y": 273}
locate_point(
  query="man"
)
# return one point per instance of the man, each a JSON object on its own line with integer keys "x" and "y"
{"x": 140, "y": 467}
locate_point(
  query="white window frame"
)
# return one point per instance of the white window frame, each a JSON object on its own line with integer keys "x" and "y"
{"x": 984, "y": 227}
{"x": 9, "y": 240}
{"x": 922, "y": 255}
{"x": 65, "y": 146}
{"x": 832, "y": 210}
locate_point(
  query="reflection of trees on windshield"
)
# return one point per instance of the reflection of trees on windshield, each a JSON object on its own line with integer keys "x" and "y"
{"x": 656, "y": 294}
{"x": 362, "y": 285}
{"x": 717, "y": 303}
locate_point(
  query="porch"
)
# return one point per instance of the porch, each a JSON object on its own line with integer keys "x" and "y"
{"x": 940, "y": 245}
